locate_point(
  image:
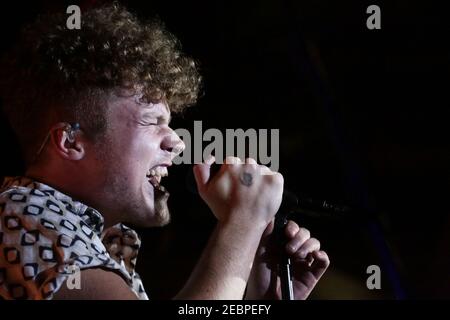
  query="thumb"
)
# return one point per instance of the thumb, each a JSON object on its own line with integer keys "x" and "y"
{"x": 202, "y": 172}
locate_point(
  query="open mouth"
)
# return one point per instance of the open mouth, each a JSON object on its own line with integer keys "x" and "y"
{"x": 155, "y": 175}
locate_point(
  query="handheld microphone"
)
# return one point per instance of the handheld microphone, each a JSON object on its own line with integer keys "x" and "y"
{"x": 291, "y": 205}
{"x": 299, "y": 205}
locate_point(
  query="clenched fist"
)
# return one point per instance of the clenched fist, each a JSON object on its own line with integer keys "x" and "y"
{"x": 244, "y": 193}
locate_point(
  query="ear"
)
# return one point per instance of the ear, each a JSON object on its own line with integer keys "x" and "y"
{"x": 64, "y": 146}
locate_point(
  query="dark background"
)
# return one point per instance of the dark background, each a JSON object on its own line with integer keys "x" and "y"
{"x": 362, "y": 117}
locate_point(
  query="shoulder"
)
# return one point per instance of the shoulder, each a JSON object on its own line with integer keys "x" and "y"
{"x": 41, "y": 239}
{"x": 32, "y": 217}
{"x": 95, "y": 284}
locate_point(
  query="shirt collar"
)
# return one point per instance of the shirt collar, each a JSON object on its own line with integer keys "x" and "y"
{"x": 89, "y": 215}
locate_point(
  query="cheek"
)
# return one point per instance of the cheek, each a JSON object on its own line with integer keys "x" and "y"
{"x": 140, "y": 155}
{"x": 147, "y": 144}
{"x": 136, "y": 149}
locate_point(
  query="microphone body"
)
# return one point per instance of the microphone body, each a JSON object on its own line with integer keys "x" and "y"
{"x": 299, "y": 205}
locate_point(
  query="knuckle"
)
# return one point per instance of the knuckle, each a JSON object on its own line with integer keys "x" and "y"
{"x": 293, "y": 227}
{"x": 249, "y": 167}
{"x": 263, "y": 170}
{"x": 316, "y": 242}
{"x": 323, "y": 256}
{"x": 276, "y": 178}
{"x": 304, "y": 233}
{"x": 232, "y": 160}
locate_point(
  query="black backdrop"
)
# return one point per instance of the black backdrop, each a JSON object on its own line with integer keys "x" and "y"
{"x": 362, "y": 117}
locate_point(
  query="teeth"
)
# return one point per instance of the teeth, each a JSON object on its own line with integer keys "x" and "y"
{"x": 158, "y": 172}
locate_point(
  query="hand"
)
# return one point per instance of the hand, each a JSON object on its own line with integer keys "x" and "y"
{"x": 308, "y": 264}
{"x": 244, "y": 193}
{"x": 245, "y": 198}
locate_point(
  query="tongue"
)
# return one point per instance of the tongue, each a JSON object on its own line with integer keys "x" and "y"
{"x": 154, "y": 181}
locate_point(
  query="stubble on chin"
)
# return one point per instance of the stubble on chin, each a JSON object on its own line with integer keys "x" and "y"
{"x": 162, "y": 213}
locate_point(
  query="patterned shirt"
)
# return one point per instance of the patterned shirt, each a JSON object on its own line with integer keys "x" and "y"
{"x": 45, "y": 235}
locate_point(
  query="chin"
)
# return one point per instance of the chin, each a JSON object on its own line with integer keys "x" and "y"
{"x": 151, "y": 210}
{"x": 156, "y": 216}
{"x": 162, "y": 220}
{"x": 161, "y": 211}
{"x": 148, "y": 219}
{"x": 161, "y": 215}
{"x": 155, "y": 220}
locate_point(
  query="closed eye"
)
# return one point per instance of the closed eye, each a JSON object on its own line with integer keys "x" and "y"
{"x": 152, "y": 118}
{"x": 154, "y": 122}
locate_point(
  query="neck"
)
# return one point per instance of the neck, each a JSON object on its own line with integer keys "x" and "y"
{"x": 75, "y": 186}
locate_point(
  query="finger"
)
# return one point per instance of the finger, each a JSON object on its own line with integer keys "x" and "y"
{"x": 232, "y": 160}
{"x": 320, "y": 264}
{"x": 209, "y": 160}
{"x": 264, "y": 171}
{"x": 276, "y": 178}
{"x": 202, "y": 172}
{"x": 310, "y": 245}
{"x": 251, "y": 165}
{"x": 321, "y": 259}
{"x": 291, "y": 229}
{"x": 301, "y": 237}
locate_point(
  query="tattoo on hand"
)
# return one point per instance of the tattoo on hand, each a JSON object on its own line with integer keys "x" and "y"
{"x": 246, "y": 179}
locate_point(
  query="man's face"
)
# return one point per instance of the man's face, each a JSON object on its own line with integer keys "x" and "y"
{"x": 138, "y": 149}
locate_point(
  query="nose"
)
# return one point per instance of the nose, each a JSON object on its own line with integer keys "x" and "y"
{"x": 173, "y": 144}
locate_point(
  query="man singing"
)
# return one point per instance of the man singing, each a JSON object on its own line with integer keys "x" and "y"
{"x": 91, "y": 110}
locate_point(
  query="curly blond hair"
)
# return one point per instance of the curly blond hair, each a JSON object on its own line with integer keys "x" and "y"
{"x": 57, "y": 74}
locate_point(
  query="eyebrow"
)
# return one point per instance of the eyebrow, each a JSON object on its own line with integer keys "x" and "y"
{"x": 157, "y": 114}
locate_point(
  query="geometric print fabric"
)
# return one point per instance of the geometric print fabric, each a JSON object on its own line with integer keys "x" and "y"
{"x": 44, "y": 234}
